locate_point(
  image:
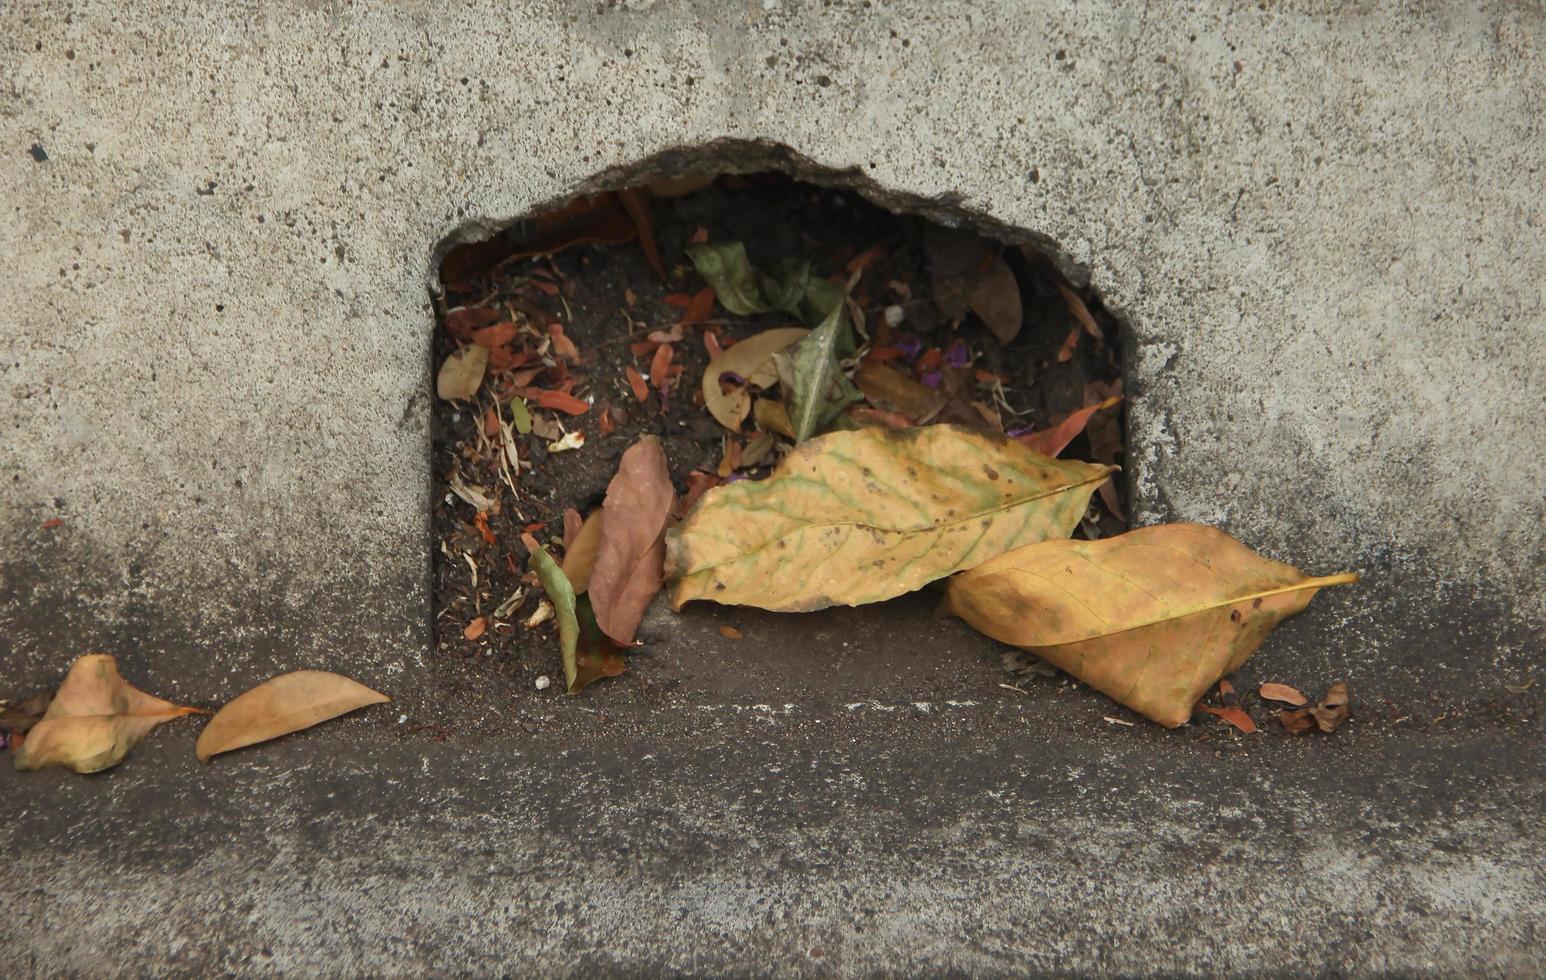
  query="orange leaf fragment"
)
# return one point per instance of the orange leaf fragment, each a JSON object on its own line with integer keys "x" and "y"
{"x": 641, "y": 390}
{"x": 494, "y": 336}
{"x": 562, "y": 345}
{"x": 475, "y": 628}
{"x": 701, "y": 307}
{"x": 730, "y": 633}
{"x": 1055, "y": 438}
{"x": 1284, "y": 693}
{"x": 659, "y": 366}
{"x": 1234, "y": 716}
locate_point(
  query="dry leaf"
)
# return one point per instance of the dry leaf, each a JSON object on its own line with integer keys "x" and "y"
{"x": 637, "y": 203}
{"x": 475, "y": 628}
{"x": 1284, "y": 693}
{"x": 888, "y": 388}
{"x": 580, "y": 556}
{"x": 730, "y": 632}
{"x": 995, "y": 297}
{"x": 862, "y": 516}
{"x": 1080, "y": 311}
{"x": 627, "y": 572}
{"x": 1055, "y": 439}
{"x": 1332, "y": 711}
{"x": 462, "y": 373}
{"x": 641, "y": 388}
{"x": 1235, "y": 716}
{"x": 94, "y": 720}
{"x": 1153, "y": 617}
{"x": 751, "y": 360}
{"x": 281, "y": 705}
{"x": 596, "y": 655}
{"x": 18, "y": 718}
{"x": 771, "y": 416}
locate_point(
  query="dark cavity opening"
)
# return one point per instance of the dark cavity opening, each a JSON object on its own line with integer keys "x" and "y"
{"x": 574, "y": 307}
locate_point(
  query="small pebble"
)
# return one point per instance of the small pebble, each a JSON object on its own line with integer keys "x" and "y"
{"x": 894, "y": 316}
{"x": 543, "y": 682}
{"x": 402, "y": 719}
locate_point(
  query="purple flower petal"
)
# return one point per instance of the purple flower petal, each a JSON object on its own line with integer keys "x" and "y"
{"x": 958, "y": 355}
{"x": 1017, "y": 433}
{"x": 730, "y": 377}
{"x": 910, "y": 346}
{"x": 933, "y": 378}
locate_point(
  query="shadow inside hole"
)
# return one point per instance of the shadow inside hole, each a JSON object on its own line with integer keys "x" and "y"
{"x": 609, "y": 274}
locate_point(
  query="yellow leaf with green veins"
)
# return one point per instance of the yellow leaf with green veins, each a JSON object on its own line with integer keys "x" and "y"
{"x": 1153, "y": 617}
{"x": 863, "y": 516}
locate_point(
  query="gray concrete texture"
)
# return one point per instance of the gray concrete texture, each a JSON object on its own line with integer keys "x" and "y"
{"x": 1323, "y": 227}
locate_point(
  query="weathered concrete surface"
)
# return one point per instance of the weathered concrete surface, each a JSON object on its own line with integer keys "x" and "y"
{"x": 1324, "y": 228}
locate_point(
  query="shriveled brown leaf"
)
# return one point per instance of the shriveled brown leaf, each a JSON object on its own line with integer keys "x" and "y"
{"x": 1284, "y": 693}
{"x": 627, "y": 573}
{"x": 730, "y": 632}
{"x": 475, "y": 629}
{"x": 1332, "y": 711}
{"x": 636, "y": 202}
{"x": 1080, "y": 312}
{"x": 771, "y": 416}
{"x": 1152, "y": 617}
{"x": 94, "y": 719}
{"x": 281, "y": 705}
{"x": 19, "y": 717}
{"x": 995, "y": 297}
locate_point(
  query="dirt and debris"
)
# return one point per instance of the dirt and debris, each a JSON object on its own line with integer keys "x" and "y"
{"x": 598, "y": 326}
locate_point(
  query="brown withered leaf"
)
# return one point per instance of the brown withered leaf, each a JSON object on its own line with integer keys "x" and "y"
{"x": 1332, "y": 711}
{"x": 281, "y": 705}
{"x": 19, "y": 717}
{"x": 1152, "y": 617}
{"x": 995, "y": 298}
{"x": 627, "y": 573}
{"x": 636, "y": 201}
{"x": 1326, "y": 716}
{"x": 94, "y": 719}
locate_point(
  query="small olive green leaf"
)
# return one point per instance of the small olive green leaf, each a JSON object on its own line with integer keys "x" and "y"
{"x": 815, "y": 388}
{"x": 725, "y": 266}
{"x": 521, "y": 415}
{"x": 785, "y": 295}
{"x": 561, "y": 594}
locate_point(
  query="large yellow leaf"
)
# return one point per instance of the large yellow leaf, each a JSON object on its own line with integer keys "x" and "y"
{"x": 751, "y": 359}
{"x": 281, "y": 705}
{"x": 94, "y": 720}
{"x": 1153, "y": 617}
{"x": 862, "y": 516}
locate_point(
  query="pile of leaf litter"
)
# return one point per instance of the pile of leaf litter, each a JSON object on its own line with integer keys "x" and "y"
{"x": 754, "y": 392}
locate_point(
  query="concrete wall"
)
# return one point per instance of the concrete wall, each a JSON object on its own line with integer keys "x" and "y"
{"x": 1324, "y": 227}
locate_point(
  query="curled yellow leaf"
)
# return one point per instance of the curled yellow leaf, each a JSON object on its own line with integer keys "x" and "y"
{"x": 281, "y": 705}
{"x": 862, "y": 516}
{"x": 94, "y": 720}
{"x": 1152, "y": 618}
{"x": 751, "y": 359}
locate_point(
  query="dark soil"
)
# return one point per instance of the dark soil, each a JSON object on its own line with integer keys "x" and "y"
{"x": 606, "y": 298}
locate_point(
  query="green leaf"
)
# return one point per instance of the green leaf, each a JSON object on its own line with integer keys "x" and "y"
{"x": 822, "y": 296}
{"x": 785, "y": 295}
{"x": 521, "y": 415}
{"x": 561, "y": 594}
{"x": 815, "y": 388}
{"x": 729, "y": 271}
